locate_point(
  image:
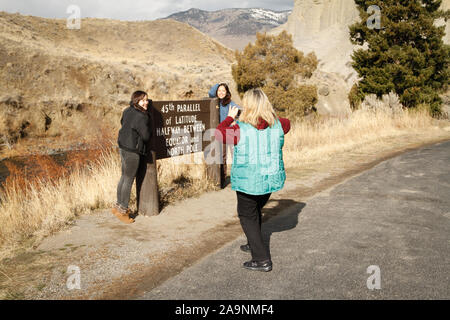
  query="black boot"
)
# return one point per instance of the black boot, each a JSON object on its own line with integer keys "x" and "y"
{"x": 265, "y": 265}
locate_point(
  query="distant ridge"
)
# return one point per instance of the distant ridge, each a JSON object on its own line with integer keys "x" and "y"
{"x": 232, "y": 27}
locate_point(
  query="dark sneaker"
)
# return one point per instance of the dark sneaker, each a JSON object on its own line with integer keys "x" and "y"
{"x": 258, "y": 265}
{"x": 246, "y": 248}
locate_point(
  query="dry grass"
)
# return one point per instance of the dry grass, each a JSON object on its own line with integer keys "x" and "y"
{"x": 47, "y": 207}
{"x": 31, "y": 210}
{"x": 42, "y": 207}
{"x": 321, "y": 138}
{"x": 181, "y": 178}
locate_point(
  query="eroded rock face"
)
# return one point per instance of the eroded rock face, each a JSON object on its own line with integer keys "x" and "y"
{"x": 332, "y": 93}
{"x": 445, "y": 6}
{"x": 313, "y": 16}
{"x": 321, "y": 26}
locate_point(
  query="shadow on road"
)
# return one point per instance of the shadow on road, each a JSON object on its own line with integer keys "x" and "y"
{"x": 273, "y": 221}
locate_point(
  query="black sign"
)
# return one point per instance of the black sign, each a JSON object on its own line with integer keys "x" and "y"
{"x": 180, "y": 127}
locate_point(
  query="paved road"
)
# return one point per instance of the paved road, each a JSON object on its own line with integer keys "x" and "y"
{"x": 395, "y": 216}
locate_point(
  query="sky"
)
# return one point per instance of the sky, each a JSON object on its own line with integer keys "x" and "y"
{"x": 131, "y": 10}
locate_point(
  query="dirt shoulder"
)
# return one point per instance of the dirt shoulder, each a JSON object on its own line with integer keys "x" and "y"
{"x": 119, "y": 261}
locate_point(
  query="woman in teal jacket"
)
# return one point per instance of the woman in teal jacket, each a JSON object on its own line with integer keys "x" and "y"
{"x": 258, "y": 167}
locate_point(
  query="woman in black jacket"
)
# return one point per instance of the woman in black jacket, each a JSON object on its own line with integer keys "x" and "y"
{"x": 133, "y": 137}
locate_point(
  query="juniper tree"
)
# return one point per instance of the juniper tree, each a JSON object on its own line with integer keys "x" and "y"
{"x": 275, "y": 65}
{"x": 406, "y": 54}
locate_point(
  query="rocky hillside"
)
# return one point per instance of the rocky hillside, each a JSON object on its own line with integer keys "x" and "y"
{"x": 70, "y": 85}
{"x": 232, "y": 27}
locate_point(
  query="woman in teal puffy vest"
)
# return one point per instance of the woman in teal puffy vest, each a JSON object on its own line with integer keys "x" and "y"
{"x": 258, "y": 169}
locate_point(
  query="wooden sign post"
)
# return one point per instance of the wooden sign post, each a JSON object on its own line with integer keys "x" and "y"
{"x": 214, "y": 156}
{"x": 147, "y": 194}
{"x": 178, "y": 129}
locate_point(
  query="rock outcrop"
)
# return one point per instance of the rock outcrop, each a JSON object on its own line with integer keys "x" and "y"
{"x": 321, "y": 26}
{"x": 445, "y": 6}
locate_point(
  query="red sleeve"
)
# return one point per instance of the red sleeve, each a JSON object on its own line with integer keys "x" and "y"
{"x": 227, "y": 134}
{"x": 286, "y": 124}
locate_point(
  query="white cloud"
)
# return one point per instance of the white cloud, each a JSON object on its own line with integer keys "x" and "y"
{"x": 125, "y": 10}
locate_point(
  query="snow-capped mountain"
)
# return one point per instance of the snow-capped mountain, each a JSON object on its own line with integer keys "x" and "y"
{"x": 269, "y": 16}
{"x": 233, "y": 27}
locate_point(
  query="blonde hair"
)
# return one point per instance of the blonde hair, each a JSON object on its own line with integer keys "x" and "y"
{"x": 256, "y": 105}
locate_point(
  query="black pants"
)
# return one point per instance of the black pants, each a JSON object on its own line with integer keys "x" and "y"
{"x": 249, "y": 211}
